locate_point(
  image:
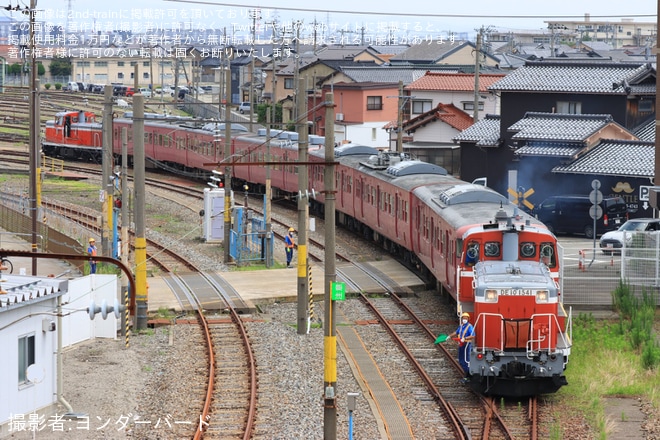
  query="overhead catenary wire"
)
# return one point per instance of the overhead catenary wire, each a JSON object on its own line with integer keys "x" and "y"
{"x": 412, "y": 14}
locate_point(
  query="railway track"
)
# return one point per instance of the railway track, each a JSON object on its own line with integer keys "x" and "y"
{"x": 230, "y": 403}
{"x": 468, "y": 415}
{"x": 456, "y": 411}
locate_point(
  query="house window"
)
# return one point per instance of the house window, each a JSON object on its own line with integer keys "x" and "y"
{"x": 374, "y": 102}
{"x": 145, "y": 75}
{"x": 100, "y": 64}
{"x": 145, "y": 63}
{"x": 469, "y": 105}
{"x": 25, "y": 357}
{"x": 646, "y": 105}
{"x": 288, "y": 83}
{"x": 120, "y": 75}
{"x": 120, "y": 64}
{"x": 419, "y": 107}
{"x": 569, "y": 107}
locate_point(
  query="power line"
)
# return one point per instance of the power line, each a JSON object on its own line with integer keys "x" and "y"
{"x": 425, "y": 14}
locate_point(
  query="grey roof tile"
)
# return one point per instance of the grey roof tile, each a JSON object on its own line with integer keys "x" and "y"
{"x": 567, "y": 77}
{"x": 614, "y": 158}
{"x": 550, "y": 149}
{"x": 558, "y": 126}
{"x": 646, "y": 131}
{"x": 485, "y": 132}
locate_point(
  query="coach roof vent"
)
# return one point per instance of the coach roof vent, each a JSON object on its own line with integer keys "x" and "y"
{"x": 469, "y": 193}
{"x": 354, "y": 149}
{"x": 411, "y": 167}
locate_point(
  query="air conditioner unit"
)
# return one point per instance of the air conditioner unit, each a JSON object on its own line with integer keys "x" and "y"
{"x": 339, "y": 117}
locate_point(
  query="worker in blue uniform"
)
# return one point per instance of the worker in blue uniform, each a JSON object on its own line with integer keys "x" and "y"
{"x": 288, "y": 245}
{"x": 464, "y": 335}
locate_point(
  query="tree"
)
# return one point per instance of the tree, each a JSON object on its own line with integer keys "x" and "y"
{"x": 14, "y": 69}
{"x": 41, "y": 69}
{"x": 60, "y": 67}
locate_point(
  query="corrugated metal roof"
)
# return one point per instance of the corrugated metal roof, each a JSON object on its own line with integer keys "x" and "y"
{"x": 21, "y": 290}
{"x": 573, "y": 78}
{"x": 615, "y": 158}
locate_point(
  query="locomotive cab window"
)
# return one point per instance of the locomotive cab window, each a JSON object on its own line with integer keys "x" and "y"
{"x": 548, "y": 255}
{"x": 527, "y": 250}
{"x": 472, "y": 254}
{"x": 492, "y": 249}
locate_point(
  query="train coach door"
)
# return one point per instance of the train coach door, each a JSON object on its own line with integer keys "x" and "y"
{"x": 359, "y": 209}
{"x": 397, "y": 212}
{"x": 379, "y": 205}
{"x": 447, "y": 254}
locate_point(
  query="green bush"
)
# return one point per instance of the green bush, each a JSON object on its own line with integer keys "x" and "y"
{"x": 58, "y": 86}
{"x": 636, "y": 318}
{"x": 47, "y": 86}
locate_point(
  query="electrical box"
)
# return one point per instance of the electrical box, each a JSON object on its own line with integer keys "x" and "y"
{"x": 48, "y": 325}
{"x": 214, "y": 218}
{"x": 352, "y": 401}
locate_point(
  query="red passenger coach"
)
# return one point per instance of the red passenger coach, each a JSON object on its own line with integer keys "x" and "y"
{"x": 501, "y": 266}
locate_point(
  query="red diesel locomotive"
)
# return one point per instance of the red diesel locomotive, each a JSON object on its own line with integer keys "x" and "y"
{"x": 500, "y": 265}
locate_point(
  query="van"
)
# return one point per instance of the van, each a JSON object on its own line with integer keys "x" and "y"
{"x": 72, "y": 86}
{"x": 570, "y": 214}
{"x": 243, "y": 107}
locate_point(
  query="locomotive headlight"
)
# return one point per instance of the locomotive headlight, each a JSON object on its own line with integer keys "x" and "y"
{"x": 491, "y": 295}
{"x": 542, "y": 296}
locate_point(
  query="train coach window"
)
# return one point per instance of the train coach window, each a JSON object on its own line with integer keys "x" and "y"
{"x": 492, "y": 249}
{"x": 527, "y": 250}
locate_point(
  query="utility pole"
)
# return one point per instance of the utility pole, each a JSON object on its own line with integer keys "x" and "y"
{"x": 475, "y": 113}
{"x": 399, "y": 121}
{"x": 303, "y": 209}
{"x": 141, "y": 294}
{"x": 124, "y": 222}
{"x": 656, "y": 176}
{"x": 255, "y": 17}
{"x": 106, "y": 171}
{"x": 35, "y": 169}
{"x": 329, "y": 330}
{"x": 227, "y": 158}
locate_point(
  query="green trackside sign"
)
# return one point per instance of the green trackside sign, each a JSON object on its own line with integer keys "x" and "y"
{"x": 338, "y": 291}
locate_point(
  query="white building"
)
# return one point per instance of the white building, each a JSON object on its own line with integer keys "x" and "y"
{"x": 32, "y": 333}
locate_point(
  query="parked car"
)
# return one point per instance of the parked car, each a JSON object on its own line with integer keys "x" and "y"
{"x": 612, "y": 242}
{"x": 570, "y": 214}
{"x": 71, "y": 86}
{"x": 145, "y": 91}
{"x": 244, "y": 107}
{"x": 130, "y": 91}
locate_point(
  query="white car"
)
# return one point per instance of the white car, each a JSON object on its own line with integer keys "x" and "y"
{"x": 145, "y": 92}
{"x": 612, "y": 242}
{"x": 244, "y": 107}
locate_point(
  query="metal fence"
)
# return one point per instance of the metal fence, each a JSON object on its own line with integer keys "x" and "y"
{"x": 591, "y": 275}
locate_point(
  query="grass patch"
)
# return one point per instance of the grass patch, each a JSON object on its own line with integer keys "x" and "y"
{"x": 164, "y": 313}
{"x": 606, "y": 361}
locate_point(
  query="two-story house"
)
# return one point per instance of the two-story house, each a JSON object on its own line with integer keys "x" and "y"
{"x": 361, "y": 112}
{"x": 556, "y": 114}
